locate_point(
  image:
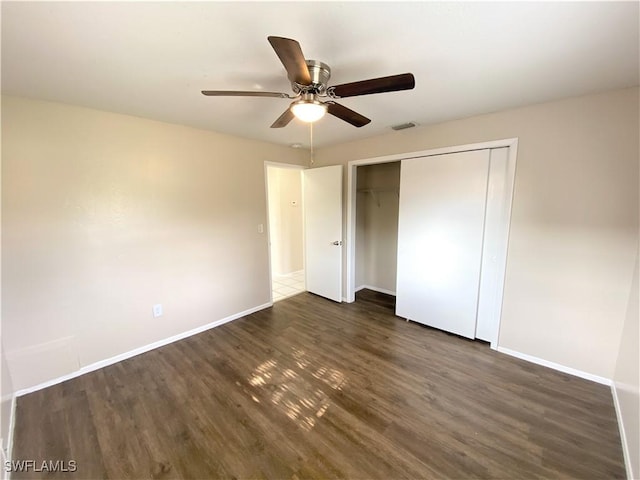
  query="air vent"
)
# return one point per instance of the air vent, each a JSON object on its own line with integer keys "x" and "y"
{"x": 402, "y": 126}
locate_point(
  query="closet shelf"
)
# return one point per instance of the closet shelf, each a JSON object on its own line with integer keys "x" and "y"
{"x": 374, "y": 192}
{"x": 377, "y": 190}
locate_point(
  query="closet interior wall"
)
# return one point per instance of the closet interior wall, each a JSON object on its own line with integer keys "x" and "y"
{"x": 377, "y": 206}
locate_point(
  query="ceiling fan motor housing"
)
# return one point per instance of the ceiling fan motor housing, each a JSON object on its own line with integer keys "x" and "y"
{"x": 320, "y": 74}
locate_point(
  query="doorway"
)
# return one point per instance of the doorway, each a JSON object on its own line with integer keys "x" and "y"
{"x": 286, "y": 235}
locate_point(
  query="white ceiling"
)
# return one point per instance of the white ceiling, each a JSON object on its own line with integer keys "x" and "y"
{"x": 152, "y": 59}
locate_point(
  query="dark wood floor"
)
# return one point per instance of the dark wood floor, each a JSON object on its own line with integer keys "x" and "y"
{"x": 313, "y": 389}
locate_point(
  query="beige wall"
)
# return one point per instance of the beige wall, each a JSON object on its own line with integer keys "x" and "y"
{"x": 574, "y": 225}
{"x": 285, "y": 219}
{"x": 377, "y": 225}
{"x": 627, "y": 381}
{"x": 105, "y": 215}
{"x": 6, "y": 385}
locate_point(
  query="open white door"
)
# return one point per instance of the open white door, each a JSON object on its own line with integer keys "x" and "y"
{"x": 323, "y": 231}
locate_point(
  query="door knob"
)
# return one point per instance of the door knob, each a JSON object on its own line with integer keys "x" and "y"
{"x": 337, "y": 243}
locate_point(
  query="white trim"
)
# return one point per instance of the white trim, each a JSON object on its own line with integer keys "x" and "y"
{"x": 285, "y": 165}
{"x": 3, "y": 473}
{"x": 556, "y": 366}
{"x": 505, "y": 142}
{"x": 132, "y": 353}
{"x": 350, "y": 235}
{"x": 268, "y": 229}
{"x": 623, "y": 436}
{"x": 12, "y": 424}
{"x": 376, "y": 289}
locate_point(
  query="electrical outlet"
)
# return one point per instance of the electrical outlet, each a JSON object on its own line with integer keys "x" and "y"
{"x": 157, "y": 310}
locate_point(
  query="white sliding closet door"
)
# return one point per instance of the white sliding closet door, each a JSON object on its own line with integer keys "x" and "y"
{"x": 440, "y": 235}
{"x": 494, "y": 248}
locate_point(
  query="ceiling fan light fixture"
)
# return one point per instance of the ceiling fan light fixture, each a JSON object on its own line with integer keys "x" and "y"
{"x": 308, "y": 111}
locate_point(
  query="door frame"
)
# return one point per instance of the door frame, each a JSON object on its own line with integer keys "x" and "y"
{"x": 511, "y": 143}
{"x": 268, "y": 225}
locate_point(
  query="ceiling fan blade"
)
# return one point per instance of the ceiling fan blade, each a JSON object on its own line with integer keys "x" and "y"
{"x": 239, "y": 93}
{"x": 394, "y": 83}
{"x": 291, "y": 56}
{"x": 284, "y": 119}
{"x": 346, "y": 114}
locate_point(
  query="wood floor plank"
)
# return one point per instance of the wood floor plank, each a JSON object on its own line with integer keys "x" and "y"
{"x": 314, "y": 389}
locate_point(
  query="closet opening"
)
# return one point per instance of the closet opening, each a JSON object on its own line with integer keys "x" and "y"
{"x": 376, "y": 233}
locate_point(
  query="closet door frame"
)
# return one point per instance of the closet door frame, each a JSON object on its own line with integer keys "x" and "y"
{"x": 511, "y": 143}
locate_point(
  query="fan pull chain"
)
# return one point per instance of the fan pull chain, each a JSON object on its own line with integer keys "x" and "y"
{"x": 311, "y": 142}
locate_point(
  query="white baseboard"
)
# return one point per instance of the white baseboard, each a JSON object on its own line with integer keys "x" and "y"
{"x": 556, "y": 366}
{"x": 132, "y": 353}
{"x": 4, "y": 475}
{"x": 376, "y": 289}
{"x": 623, "y": 436}
{"x": 9, "y": 453}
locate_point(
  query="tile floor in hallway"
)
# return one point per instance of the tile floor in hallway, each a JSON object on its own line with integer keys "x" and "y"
{"x": 285, "y": 286}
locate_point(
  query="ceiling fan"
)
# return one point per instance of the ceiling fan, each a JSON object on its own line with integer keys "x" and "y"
{"x": 309, "y": 80}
